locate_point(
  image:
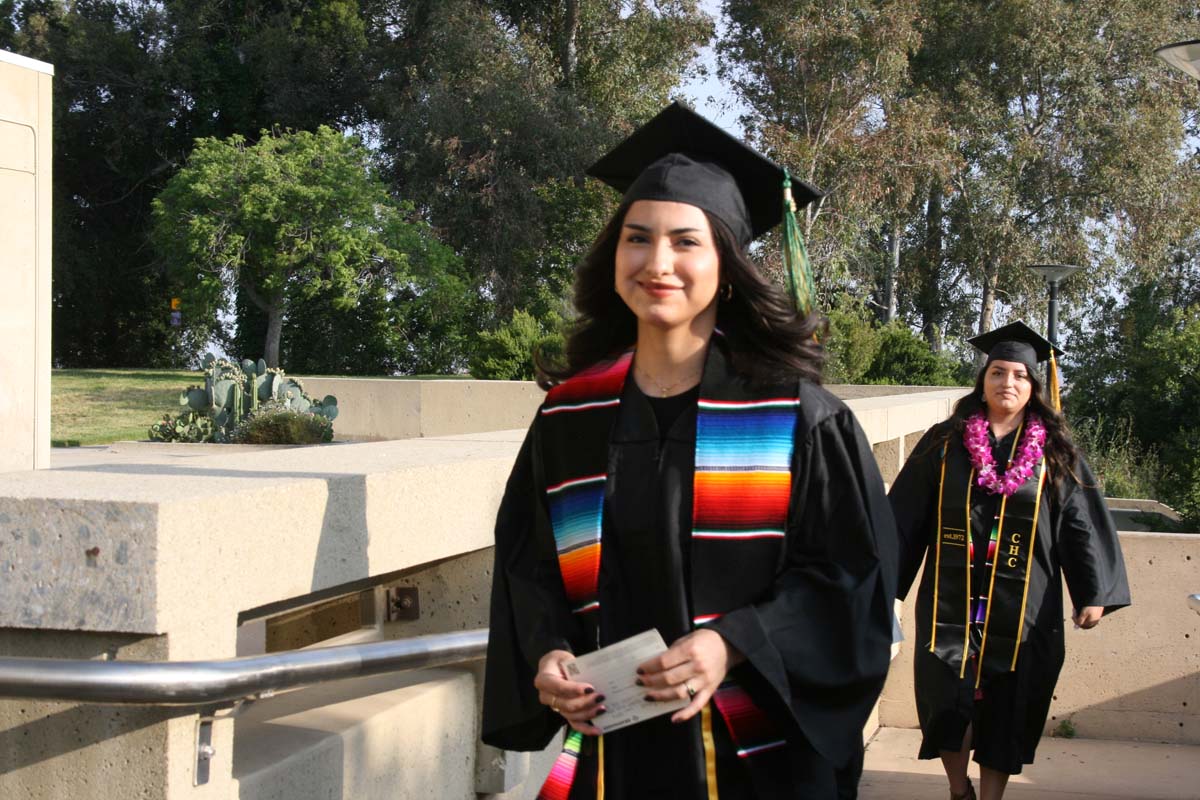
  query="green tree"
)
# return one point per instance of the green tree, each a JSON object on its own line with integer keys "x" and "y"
{"x": 1140, "y": 366}
{"x": 961, "y": 141}
{"x": 490, "y": 112}
{"x": 295, "y": 215}
{"x": 136, "y": 82}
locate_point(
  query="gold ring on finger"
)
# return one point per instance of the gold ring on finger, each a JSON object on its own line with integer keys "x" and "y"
{"x": 691, "y": 692}
{"x": 554, "y": 705}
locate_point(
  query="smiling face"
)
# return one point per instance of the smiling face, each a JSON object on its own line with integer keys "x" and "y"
{"x": 667, "y": 267}
{"x": 1006, "y": 386}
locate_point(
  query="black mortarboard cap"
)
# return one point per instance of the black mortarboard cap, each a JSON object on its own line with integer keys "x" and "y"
{"x": 681, "y": 156}
{"x": 1015, "y": 341}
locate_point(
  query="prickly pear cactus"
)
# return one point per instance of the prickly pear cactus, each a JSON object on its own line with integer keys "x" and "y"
{"x": 232, "y": 392}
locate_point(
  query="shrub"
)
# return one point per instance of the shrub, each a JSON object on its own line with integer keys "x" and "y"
{"x": 275, "y": 423}
{"x": 852, "y": 343}
{"x": 905, "y": 359}
{"x": 1124, "y": 466}
{"x": 507, "y": 352}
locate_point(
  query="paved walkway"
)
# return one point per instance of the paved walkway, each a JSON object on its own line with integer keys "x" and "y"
{"x": 1066, "y": 769}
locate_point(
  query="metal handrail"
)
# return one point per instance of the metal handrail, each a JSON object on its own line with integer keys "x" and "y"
{"x": 198, "y": 683}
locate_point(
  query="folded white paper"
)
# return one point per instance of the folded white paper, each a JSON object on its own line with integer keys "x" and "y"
{"x": 612, "y": 671}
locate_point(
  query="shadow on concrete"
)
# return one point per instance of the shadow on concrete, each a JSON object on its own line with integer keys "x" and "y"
{"x": 79, "y": 727}
{"x": 185, "y": 471}
{"x": 1168, "y": 712}
{"x": 342, "y": 550}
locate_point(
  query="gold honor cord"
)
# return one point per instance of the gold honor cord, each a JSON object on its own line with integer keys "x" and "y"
{"x": 937, "y": 561}
{"x": 987, "y": 615}
{"x": 970, "y": 567}
{"x": 600, "y": 767}
{"x": 1037, "y": 508}
{"x": 710, "y": 750}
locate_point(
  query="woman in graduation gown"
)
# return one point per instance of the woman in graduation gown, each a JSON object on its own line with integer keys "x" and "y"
{"x": 998, "y": 503}
{"x": 687, "y": 473}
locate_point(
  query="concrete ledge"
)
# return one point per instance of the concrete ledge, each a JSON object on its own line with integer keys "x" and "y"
{"x": 408, "y": 735}
{"x": 373, "y": 409}
{"x": 245, "y": 531}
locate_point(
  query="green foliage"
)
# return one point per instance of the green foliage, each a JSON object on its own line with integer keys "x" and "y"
{"x": 507, "y": 352}
{"x": 974, "y": 138}
{"x": 187, "y": 426}
{"x": 491, "y": 111}
{"x": 905, "y": 359}
{"x": 852, "y": 344}
{"x": 276, "y": 422}
{"x": 1065, "y": 729}
{"x": 138, "y": 83}
{"x": 1123, "y": 465}
{"x": 292, "y": 215}
{"x": 1141, "y": 362}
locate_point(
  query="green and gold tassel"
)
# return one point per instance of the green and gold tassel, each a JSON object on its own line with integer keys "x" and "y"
{"x": 795, "y": 254}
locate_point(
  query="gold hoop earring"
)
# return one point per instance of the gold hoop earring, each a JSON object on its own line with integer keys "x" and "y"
{"x": 727, "y": 292}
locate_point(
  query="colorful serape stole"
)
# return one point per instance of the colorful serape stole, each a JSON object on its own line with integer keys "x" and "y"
{"x": 576, "y": 503}
{"x": 751, "y": 730}
{"x": 743, "y": 468}
{"x": 562, "y": 774}
{"x": 741, "y": 494}
{"x": 979, "y": 607}
{"x": 740, "y": 498}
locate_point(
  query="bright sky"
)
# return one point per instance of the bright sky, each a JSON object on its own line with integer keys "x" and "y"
{"x": 708, "y": 95}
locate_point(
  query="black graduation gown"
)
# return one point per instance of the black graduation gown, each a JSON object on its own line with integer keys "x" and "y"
{"x": 1075, "y": 538}
{"x": 817, "y": 643}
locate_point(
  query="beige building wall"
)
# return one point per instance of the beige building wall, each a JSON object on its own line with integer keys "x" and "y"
{"x": 25, "y": 95}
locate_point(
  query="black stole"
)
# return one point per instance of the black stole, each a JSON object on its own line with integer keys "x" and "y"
{"x": 1008, "y": 583}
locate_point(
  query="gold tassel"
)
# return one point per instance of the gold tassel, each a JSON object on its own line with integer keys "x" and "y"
{"x": 1055, "y": 399}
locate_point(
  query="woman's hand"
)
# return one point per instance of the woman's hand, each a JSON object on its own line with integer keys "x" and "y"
{"x": 1088, "y": 617}
{"x": 693, "y": 666}
{"x": 577, "y": 703}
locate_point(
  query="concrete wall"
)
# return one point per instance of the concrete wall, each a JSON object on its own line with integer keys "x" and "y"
{"x": 1135, "y": 676}
{"x": 165, "y": 547}
{"x": 371, "y": 409}
{"x": 25, "y": 118}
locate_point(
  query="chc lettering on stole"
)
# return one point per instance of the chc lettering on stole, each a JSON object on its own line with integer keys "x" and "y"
{"x": 1014, "y": 549}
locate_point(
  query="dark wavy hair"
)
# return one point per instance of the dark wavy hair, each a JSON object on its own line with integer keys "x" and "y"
{"x": 1061, "y": 453}
{"x": 769, "y": 341}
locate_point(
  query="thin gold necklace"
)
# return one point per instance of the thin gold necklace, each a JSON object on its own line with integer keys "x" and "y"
{"x": 665, "y": 390}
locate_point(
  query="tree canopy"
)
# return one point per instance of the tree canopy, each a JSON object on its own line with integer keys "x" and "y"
{"x": 292, "y": 217}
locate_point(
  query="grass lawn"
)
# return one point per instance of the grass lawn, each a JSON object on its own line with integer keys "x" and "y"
{"x": 98, "y": 406}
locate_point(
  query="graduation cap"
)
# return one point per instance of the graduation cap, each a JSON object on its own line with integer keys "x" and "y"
{"x": 1018, "y": 342}
{"x": 682, "y": 157}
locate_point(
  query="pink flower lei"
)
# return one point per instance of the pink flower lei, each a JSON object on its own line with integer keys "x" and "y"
{"x": 975, "y": 439}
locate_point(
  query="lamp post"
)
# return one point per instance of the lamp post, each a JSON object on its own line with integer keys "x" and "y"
{"x": 1053, "y": 273}
{"x": 1183, "y": 56}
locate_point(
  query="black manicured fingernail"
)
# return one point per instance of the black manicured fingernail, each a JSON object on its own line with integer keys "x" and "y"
{"x": 599, "y": 698}
{"x": 601, "y": 711}
{"x": 638, "y": 681}
{"x": 588, "y": 690}
{"x": 648, "y": 699}
{"x": 641, "y": 671}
